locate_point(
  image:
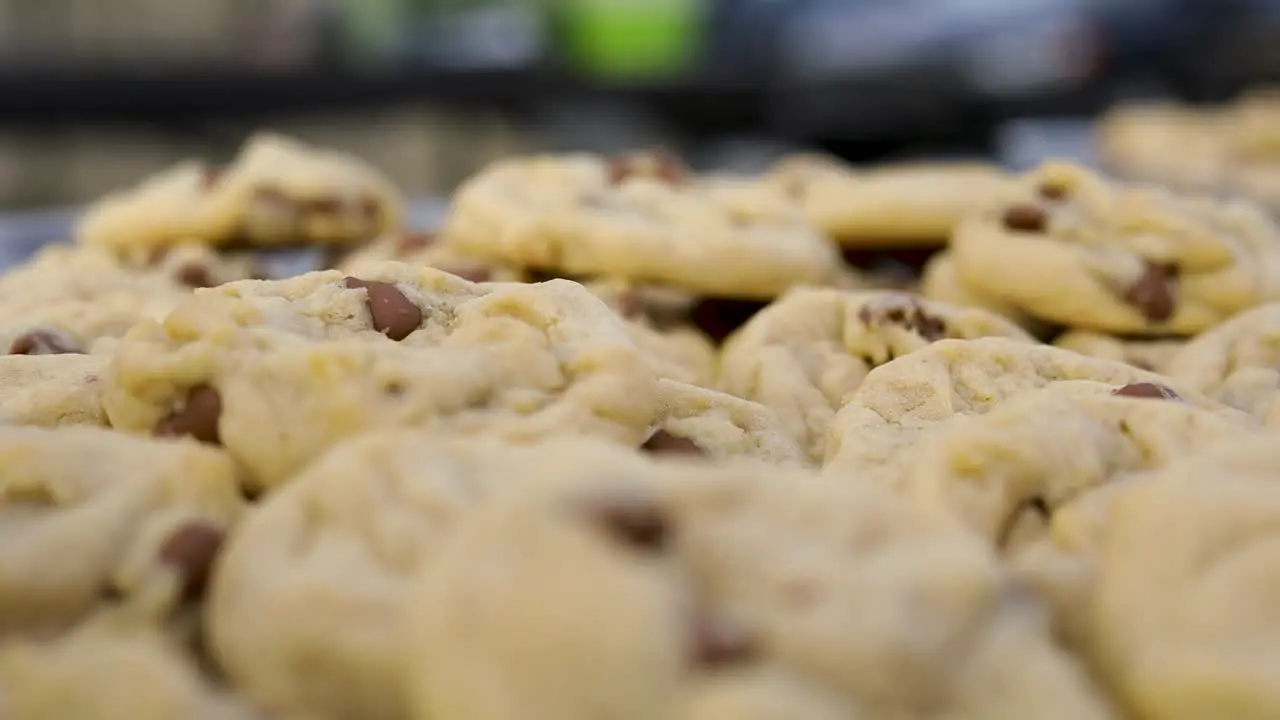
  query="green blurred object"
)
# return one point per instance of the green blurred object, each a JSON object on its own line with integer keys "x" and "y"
{"x": 631, "y": 39}
{"x": 372, "y": 29}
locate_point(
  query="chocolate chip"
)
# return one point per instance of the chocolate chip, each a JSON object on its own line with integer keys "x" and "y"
{"x": 656, "y": 163}
{"x": 369, "y": 208}
{"x": 191, "y": 549}
{"x": 631, "y": 519}
{"x": 717, "y": 642}
{"x": 414, "y": 241}
{"x": 1026, "y": 218}
{"x": 198, "y": 417}
{"x": 1052, "y": 192}
{"x": 664, "y": 443}
{"x": 393, "y": 314}
{"x": 1155, "y": 293}
{"x": 719, "y": 317}
{"x": 906, "y": 311}
{"x": 45, "y": 342}
{"x": 195, "y": 275}
{"x": 1149, "y": 390}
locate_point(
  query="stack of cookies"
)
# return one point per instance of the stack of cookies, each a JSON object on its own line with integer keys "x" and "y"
{"x": 624, "y": 441}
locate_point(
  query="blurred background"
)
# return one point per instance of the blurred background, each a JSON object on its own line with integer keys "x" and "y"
{"x": 95, "y": 94}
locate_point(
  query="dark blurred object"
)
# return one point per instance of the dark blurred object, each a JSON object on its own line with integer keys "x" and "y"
{"x": 1196, "y": 49}
{"x": 1230, "y": 45}
{"x": 865, "y": 68}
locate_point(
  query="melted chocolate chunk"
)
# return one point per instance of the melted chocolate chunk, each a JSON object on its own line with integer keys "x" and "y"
{"x": 633, "y": 520}
{"x": 906, "y": 311}
{"x": 1026, "y": 218}
{"x": 1155, "y": 292}
{"x": 390, "y": 311}
{"x": 198, "y": 417}
{"x": 1148, "y": 390}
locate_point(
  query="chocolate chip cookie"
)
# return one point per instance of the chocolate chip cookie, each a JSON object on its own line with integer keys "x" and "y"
{"x": 99, "y": 518}
{"x": 708, "y": 592}
{"x": 321, "y": 569}
{"x": 276, "y": 371}
{"x": 890, "y": 206}
{"x": 109, "y": 670}
{"x": 939, "y": 280}
{"x": 1237, "y": 362}
{"x": 276, "y": 192}
{"x": 899, "y": 405}
{"x": 1081, "y": 251}
{"x": 804, "y": 355}
{"x": 587, "y": 216}
{"x": 1165, "y": 143}
{"x": 1006, "y": 473}
{"x": 1180, "y": 620}
{"x": 69, "y": 299}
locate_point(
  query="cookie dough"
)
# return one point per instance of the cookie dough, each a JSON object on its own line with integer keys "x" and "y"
{"x": 1005, "y": 474}
{"x": 804, "y": 355}
{"x": 304, "y": 611}
{"x": 277, "y": 191}
{"x": 1148, "y": 354}
{"x": 109, "y": 670}
{"x": 50, "y": 390}
{"x": 698, "y": 421}
{"x": 578, "y": 215}
{"x": 901, "y": 205}
{"x": 278, "y": 371}
{"x": 1182, "y": 623}
{"x": 1237, "y": 362}
{"x": 873, "y": 438}
{"x": 1081, "y": 251}
{"x": 95, "y": 517}
{"x": 681, "y": 591}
